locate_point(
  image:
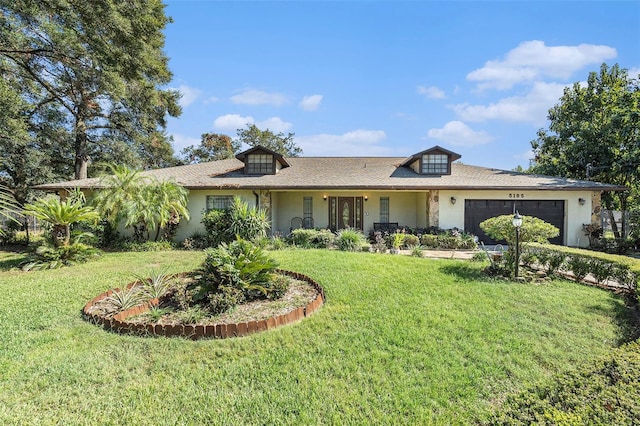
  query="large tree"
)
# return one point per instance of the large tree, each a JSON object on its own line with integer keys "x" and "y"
{"x": 98, "y": 63}
{"x": 594, "y": 133}
{"x": 276, "y": 142}
{"x": 213, "y": 146}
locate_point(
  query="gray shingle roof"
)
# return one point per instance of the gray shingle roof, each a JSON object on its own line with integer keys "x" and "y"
{"x": 373, "y": 173}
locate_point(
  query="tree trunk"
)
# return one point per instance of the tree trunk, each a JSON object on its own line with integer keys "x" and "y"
{"x": 614, "y": 225}
{"x": 82, "y": 157}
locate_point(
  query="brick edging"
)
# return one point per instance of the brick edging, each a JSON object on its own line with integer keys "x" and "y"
{"x": 119, "y": 324}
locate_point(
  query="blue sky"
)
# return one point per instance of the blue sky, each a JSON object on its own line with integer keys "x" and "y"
{"x": 390, "y": 78}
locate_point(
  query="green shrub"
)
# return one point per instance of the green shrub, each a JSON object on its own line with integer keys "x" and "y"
{"x": 429, "y": 241}
{"x": 277, "y": 243}
{"x": 579, "y": 265}
{"x": 604, "y": 393}
{"x": 196, "y": 241}
{"x": 411, "y": 241}
{"x": 216, "y": 225}
{"x": 147, "y": 246}
{"x": 350, "y": 240}
{"x": 417, "y": 251}
{"x": 47, "y": 256}
{"x": 234, "y": 273}
{"x": 239, "y": 220}
{"x": 312, "y": 238}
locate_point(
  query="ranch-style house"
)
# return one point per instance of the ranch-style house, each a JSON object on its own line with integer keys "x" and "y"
{"x": 427, "y": 189}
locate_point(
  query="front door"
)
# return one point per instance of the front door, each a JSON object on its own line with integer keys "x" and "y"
{"x": 345, "y": 212}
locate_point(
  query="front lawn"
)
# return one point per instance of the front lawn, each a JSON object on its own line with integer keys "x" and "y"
{"x": 401, "y": 340}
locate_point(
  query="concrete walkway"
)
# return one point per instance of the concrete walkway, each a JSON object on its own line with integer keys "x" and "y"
{"x": 444, "y": 254}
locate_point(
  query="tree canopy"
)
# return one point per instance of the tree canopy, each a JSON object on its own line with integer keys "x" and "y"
{"x": 86, "y": 76}
{"x": 594, "y": 133}
{"x": 212, "y": 147}
{"x": 276, "y": 142}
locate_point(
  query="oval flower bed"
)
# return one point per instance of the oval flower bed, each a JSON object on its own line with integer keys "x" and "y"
{"x": 158, "y": 316}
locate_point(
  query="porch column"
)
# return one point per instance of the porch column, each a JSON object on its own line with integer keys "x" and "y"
{"x": 596, "y": 208}
{"x": 433, "y": 208}
{"x": 265, "y": 204}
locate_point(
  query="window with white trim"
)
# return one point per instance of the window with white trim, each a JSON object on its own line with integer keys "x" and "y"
{"x": 435, "y": 164}
{"x": 259, "y": 164}
{"x": 219, "y": 202}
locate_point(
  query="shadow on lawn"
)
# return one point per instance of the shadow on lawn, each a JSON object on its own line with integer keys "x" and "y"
{"x": 626, "y": 315}
{"x": 465, "y": 270}
{"x": 17, "y": 256}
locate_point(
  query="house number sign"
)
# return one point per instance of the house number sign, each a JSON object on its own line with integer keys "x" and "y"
{"x": 513, "y": 195}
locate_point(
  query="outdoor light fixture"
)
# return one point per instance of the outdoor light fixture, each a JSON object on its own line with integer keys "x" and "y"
{"x": 324, "y": 197}
{"x": 366, "y": 198}
{"x": 517, "y": 223}
{"x": 453, "y": 200}
{"x": 582, "y": 201}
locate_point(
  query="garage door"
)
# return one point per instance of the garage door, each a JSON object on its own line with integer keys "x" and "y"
{"x": 476, "y": 211}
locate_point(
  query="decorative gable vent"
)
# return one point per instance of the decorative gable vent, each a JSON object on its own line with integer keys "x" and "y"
{"x": 261, "y": 161}
{"x": 433, "y": 161}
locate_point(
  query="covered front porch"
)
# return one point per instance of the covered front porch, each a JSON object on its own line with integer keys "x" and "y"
{"x": 350, "y": 209}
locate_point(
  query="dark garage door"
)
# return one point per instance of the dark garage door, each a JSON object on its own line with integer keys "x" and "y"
{"x": 476, "y": 211}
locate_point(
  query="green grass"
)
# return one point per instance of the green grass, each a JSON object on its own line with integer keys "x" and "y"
{"x": 401, "y": 340}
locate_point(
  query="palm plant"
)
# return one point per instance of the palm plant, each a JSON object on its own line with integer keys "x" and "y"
{"x": 144, "y": 203}
{"x": 120, "y": 188}
{"x": 8, "y": 205}
{"x": 60, "y": 214}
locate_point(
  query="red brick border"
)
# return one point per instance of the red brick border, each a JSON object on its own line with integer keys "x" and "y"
{"x": 119, "y": 324}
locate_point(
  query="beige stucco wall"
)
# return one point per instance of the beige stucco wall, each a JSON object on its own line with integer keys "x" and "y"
{"x": 452, "y": 215}
{"x": 417, "y": 209}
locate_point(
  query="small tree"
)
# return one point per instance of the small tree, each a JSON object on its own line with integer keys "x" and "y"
{"x": 533, "y": 229}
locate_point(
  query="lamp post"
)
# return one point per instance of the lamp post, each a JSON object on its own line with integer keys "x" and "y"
{"x": 517, "y": 223}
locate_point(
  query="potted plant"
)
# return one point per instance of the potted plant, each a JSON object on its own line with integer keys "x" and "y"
{"x": 398, "y": 239}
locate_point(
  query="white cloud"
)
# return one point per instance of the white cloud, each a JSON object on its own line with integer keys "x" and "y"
{"x": 533, "y": 60}
{"x": 189, "y": 95}
{"x": 530, "y": 108}
{"x": 274, "y": 124}
{"x": 211, "y": 100}
{"x": 458, "y": 133}
{"x": 431, "y": 92}
{"x": 258, "y": 97}
{"x": 355, "y": 143}
{"x": 232, "y": 122}
{"x": 183, "y": 141}
{"x": 634, "y": 72}
{"x": 310, "y": 103}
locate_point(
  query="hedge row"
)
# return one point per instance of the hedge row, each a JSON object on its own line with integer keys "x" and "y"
{"x": 582, "y": 264}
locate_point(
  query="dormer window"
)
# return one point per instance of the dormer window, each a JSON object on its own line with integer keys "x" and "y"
{"x": 435, "y": 161}
{"x": 260, "y": 164}
{"x": 435, "y": 164}
{"x": 262, "y": 161}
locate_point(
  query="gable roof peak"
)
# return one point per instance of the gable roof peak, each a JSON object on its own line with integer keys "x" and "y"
{"x": 259, "y": 148}
{"x": 436, "y": 148}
